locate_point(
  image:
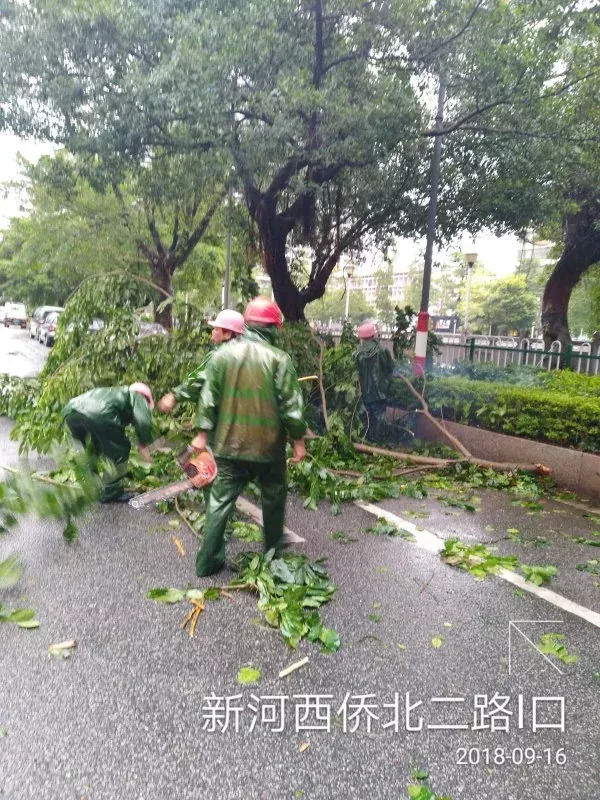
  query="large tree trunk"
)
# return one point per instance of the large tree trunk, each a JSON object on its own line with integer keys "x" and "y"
{"x": 273, "y": 235}
{"x": 163, "y": 278}
{"x": 582, "y": 249}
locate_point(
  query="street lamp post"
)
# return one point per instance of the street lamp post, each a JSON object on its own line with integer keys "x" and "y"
{"x": 470, "y": 258}
{"x": 349, "y": 270}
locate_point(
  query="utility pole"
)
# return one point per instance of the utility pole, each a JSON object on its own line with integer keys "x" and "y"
{"x": 228, "y": 251}
{"x": 436, "y": 162}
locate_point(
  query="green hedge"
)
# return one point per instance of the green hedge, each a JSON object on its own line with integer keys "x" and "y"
{"x": 562, "y": 418}
{"x": 562, "y": 380}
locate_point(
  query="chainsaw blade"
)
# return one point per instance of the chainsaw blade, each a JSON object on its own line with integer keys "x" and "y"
{"x": 158, "y": 495}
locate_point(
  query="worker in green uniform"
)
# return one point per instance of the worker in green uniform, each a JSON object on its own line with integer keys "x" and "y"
{"x": 226, "y": 326}
{"x": 99, "y": 418}
{"x": 375, "y": 366}
{"x": 251, "y": 401}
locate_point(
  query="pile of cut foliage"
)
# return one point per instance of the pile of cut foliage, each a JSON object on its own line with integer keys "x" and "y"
{"x": 290, "y": 589}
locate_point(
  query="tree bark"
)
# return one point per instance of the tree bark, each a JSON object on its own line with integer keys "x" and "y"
{"x": 581, "y": 251}
{"x": 273, "y": 233}
{"x": 162, "y": 276}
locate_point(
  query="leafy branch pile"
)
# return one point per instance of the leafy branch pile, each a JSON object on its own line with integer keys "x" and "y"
{"x": 115, "y": 355}
{"x": 290, "y": 589}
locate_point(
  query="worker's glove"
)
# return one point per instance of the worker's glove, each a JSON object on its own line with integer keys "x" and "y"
{"x": 201, "y": 469}
{"x": 167, "y": 403}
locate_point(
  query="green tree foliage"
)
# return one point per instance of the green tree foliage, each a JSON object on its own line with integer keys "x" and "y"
{"x": 448, "y": 284}
{"x": 384, "y": 305}
{"x": 70, "y": 233}
{"x": 74, "y": 230}
{"x": 322, "y": 109}
{"x": 506, "y": 306}
{"x": 333, "y": 305}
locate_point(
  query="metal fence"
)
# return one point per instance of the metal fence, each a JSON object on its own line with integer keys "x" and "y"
{"x": 583, "y": 357}
{"x": 502, "y": 350}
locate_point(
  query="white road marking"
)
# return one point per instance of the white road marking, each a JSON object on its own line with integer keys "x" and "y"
{"x": 251, "y": 510}
{"x": 433, "y": 544}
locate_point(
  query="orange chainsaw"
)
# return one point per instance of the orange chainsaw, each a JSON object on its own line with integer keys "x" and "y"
{"x": 200, "y": 468}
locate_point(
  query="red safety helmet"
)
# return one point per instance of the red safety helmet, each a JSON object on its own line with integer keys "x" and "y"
{"x": 264, "y": 311}
{"x": 144, "y": 390}
{"x": 228, "y": 320}
{"x": 367, "y": 330}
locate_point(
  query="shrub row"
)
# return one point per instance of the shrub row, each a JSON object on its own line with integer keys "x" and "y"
{"x": 518, "y": 375}
{"x": 558, "y": 417}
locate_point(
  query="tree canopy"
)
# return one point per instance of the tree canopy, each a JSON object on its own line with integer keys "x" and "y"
{"x": 320, "y": 113}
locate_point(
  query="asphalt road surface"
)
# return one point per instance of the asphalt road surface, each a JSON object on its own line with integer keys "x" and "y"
{"x": 20, "y": 355}
{"x": 436, "y": 671}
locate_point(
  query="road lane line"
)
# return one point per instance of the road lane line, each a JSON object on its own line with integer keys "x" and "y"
{"x": 253, "y": 511}
{"x": 433, "y": 543}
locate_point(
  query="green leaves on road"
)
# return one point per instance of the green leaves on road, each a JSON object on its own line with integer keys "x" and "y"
{"x": 537, "y": 574}
{"x": 23, "y": 617}
{"x": 248, "y": 675}
{"x": 478, "y": 560}
{"x": 11, "y": 570}
{"x": 290, "y": 589}
{"x": 384, "y": 527}
{"x": 247, "y": 531}
{"x": 420, "y": 790}
{"x": 552, "y": 644}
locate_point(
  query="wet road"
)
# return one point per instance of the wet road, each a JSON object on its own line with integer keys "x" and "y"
{"x": 431, "y": 672}
{"x": 20, "y": 355}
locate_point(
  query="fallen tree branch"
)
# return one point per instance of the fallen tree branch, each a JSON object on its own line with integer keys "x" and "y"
{"x": 352, "y": 473}
{"x": 452, "y": 439}
{"x": 321, "y": 387}
{"x": 41, "y": 478}
{"x": 186, "y": 520}
{"x": 499, "y": 466}
{"x": 411, "y": 457}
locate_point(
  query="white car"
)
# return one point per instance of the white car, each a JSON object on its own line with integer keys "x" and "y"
{"x": 37, "y": 320}
{"x": 15, "y": 314}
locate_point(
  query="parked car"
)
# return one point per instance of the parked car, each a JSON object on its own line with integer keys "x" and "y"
{"x": 37, "y": 318}
{"x": 151, "y": 329}
{"x": 94, "y": 326}
{"x": 15, "y": 314}
{"x": 48, "y": 328}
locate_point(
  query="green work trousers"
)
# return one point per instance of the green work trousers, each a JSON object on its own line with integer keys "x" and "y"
{"x": 109, "y": 441}
{"x": 232, "y": 476}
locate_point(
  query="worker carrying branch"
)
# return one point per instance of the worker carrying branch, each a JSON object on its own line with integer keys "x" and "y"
{"x": 98, "y": 419}
{"x": 375, "y": 366}
{"x": 250, "y": 402}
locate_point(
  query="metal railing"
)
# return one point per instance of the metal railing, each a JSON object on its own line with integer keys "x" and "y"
{"x": 583, "y": 357}
{"x": 503, "y": 351}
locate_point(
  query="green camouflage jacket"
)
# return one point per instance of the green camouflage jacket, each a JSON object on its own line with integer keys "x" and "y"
{"x": 251, "y": 398}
